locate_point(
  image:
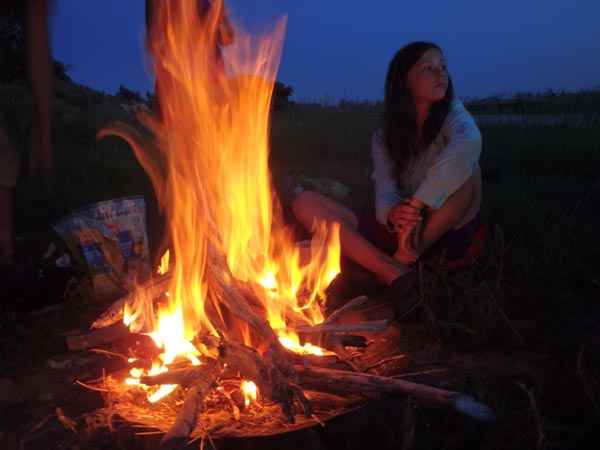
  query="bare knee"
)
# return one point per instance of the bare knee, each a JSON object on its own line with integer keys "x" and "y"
{"x": 311, "y": 206}
{"x": 305, "y": 204}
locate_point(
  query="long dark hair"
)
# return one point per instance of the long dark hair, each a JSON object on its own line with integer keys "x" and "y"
{"x": 399, "y": 114}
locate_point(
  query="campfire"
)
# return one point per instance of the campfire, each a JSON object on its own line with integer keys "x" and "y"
{"x": 242, "y": 343}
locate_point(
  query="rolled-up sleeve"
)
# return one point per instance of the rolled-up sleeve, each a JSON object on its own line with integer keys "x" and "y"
{"x": 457, "y": 160}
{"x": 386, "y": 191}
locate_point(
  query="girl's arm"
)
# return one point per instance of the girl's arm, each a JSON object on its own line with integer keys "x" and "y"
{"x": 457, "y": 160}
{"x": 386, "y": 191}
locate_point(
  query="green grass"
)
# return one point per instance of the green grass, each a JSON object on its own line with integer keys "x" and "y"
{"x": 532, "y": 296}
{"x": 527, "y": 296}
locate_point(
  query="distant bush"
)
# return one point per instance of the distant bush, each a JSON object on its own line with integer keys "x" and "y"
{"x": 548, "y": 102}
{"x": 281, "y": 95}
{"x": 80, "y": 112}
{"x": 128, "y": 95}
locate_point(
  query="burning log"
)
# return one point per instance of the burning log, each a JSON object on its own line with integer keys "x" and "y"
{"x": 183, "y": 377}
{"x": 374, "y": 385}
{"x": 152, "y": 288}
{"x": 268, "y": 378}
{"x": 97, "y": 337}
{"x": 223, "y": 286}
{"x": 201, "y": 380}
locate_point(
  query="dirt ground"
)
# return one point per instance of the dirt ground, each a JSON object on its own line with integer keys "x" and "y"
{"x": 45, "y": 403}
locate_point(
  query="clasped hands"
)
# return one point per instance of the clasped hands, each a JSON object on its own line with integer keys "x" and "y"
{"x": 405, "y": 219}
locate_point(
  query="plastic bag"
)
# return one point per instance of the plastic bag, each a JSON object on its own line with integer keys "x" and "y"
{"x": 108, "y": 241}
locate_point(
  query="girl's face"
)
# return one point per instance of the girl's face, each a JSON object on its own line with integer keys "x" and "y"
{"x": 427, "y": 79}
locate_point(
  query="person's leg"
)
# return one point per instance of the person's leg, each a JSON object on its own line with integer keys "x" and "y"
{"x": 40, "y": 79}
{"x": 310, "y": 207}
{"x": 458, "y": 210}
{"x": 9, "y": 172}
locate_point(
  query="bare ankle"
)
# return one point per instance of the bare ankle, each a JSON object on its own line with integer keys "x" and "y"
{"x": 394, "y": 271}
{"x": 404, "y": 258}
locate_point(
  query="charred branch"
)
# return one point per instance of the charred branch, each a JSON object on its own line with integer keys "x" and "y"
{"x": 374, "y": 385}
{"x": 224, "y": 287}
{"x": 95, "y": 338}
{"x": 203, "y": 380}
{"x": 354, "y": 303}
{"x": 152, "y": 288}
{"x": 269, "y": 380}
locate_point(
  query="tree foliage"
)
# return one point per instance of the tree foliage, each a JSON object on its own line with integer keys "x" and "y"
{"x": 128, "y": 95}
{"x": 281, "y": 95}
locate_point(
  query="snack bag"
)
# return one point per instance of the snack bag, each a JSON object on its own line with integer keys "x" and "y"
{"x": 94, "y": 250}
{"x": 107, "y": 240}
{"x": 126, "y": 218}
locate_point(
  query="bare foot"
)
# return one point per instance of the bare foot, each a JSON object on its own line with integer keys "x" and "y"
{"x": 404, "y": 258}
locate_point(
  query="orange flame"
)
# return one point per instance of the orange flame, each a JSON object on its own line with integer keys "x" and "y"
{"x": 250, "y": 392}
{"x": 209, "y": 168}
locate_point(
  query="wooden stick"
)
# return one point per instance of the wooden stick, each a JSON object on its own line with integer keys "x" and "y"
{"x": 178, "y": 434}
{"x": 354, "y": 303}
{"x": 223, "y": 286}
{"x": 114, "y": 313}
{"x": 269, "y": 380}
{"x": 97, "y": 337}
{"x": 334, "y": 343}
{"x": 372, "y": 325}
{"x": 183, "y": 377}
{"x": 374, "y": 385}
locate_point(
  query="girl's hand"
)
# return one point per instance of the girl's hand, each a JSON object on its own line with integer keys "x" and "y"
{"x": 405, "y": 216}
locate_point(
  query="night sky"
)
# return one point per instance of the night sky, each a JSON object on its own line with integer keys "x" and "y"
{"x": 341, "y": 48}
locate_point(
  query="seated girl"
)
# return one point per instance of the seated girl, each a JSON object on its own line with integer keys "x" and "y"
{"x": 426, "y": 173}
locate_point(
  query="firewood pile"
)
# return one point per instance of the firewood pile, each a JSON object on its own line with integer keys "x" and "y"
{"x": 295, "y": 391}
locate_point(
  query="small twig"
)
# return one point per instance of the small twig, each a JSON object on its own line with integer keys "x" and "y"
{"x": 424, "y": 372}
{"x": 385, "y": 360}
{"x": 354, "y": 303}
{"x": 334, "y": 342}
{"x": 319, "y": 421}
{"x": 93, "y": 388}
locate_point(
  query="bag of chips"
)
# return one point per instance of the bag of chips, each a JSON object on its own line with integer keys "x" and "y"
{"x": 108, "y": 241}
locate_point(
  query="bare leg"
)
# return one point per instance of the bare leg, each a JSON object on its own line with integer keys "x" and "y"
{"x": 458, "y": 209}
{"x": 9, "y": 172}
{"x": 309, "y": 207}
{"x": 6, "y": 226}
{"x": 40, "y": 78}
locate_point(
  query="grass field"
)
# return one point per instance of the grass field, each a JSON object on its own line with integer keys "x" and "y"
{"x": 533, "y": 297}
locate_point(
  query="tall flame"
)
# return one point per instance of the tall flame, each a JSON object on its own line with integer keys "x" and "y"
{"x": 209, "y": 167}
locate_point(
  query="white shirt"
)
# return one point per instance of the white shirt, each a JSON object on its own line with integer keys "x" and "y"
{"x": 441, "y": 169}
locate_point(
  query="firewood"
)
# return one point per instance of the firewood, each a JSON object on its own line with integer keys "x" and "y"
{"x": 224, "y": 288}
{"x": 354, "y": 303}
{"x": 183, "y": 377}
{"x": 97, "y": 337}
{"x": 203, "y": 381}
{"x": 335, "y": 343}
{"x": 374, "y": 385}
{"x": 269, "y": 380}
{"x": 372, "y": 325}
{"x": 152, "y": 288}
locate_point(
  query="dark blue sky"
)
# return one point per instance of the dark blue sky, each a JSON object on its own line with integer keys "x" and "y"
{"x": 337, "y": 48}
